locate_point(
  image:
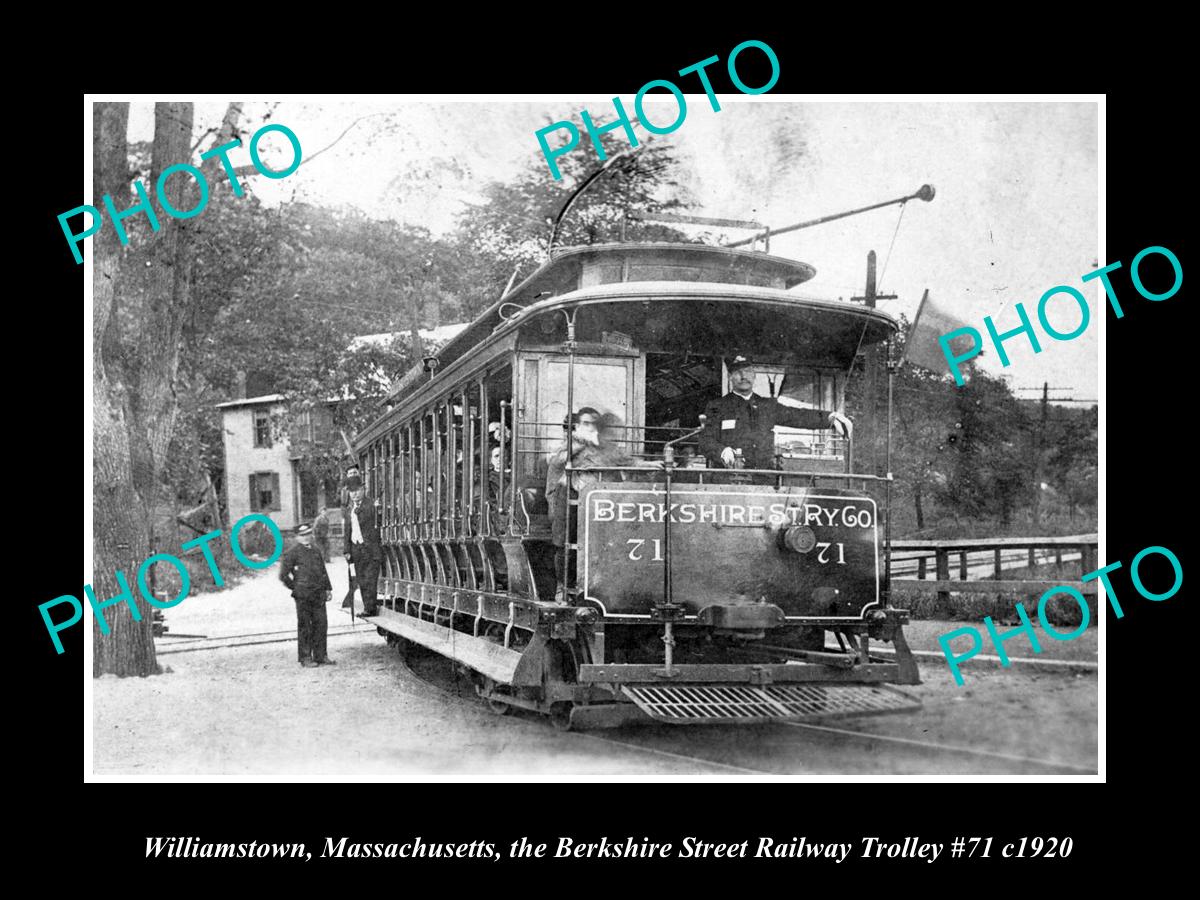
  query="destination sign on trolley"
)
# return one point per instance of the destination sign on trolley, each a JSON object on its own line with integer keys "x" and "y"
{"x": 606, "y": 509}
{"x": 814, "y": 554}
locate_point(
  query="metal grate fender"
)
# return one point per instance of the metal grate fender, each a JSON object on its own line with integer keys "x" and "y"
{"x": 721, "y": 703}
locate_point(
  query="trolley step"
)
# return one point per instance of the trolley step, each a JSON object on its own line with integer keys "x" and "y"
{"x": 696, "y": 704}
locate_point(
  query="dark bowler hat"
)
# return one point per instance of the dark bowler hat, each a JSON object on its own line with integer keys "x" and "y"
{"x": 303, "y": 529}
{"x": 353, "y": 481}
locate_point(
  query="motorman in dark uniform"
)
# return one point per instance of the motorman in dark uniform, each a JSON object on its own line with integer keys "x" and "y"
{"x": 740, "y": 424}
{"x": 302, "y": 570}
{"x": 364, "y": 549}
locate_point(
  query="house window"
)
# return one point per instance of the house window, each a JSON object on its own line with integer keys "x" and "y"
{"x": 262, "y": 428}
{"x": 322, "y": 423}
{"x": 313, "y": 424}
{"x": 304, "y": 425}
{"x": 264, "y": 492}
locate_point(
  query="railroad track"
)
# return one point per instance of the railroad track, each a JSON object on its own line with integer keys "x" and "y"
{"x": 945, "y": 748}
{"x": 166, "y": 647}
{"x": 533, "y": 721}
{"x": 436, "y": 683}
{"x": 867, "y": 738}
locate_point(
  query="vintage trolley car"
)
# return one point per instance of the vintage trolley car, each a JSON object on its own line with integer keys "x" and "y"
{"x": 701, "y": 594}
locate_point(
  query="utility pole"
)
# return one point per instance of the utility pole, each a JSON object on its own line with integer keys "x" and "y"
{"x": 1039, "y": 440}
{"x": 866, "y": 431}
{"x": 1039, "y": 444}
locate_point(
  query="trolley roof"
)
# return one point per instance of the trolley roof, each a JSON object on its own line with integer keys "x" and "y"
{"x": 574, "y": 267}
{"x": 599, "y": 272}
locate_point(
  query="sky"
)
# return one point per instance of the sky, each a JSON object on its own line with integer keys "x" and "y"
{"x": 1016, "y": 210}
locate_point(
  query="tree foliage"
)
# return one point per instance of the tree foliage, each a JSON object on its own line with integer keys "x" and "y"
{"x": 315, "y": 281}
{"x": 284, "y": 291}
{"x": 511, "y": 229}
{"x": 972, "y": 452}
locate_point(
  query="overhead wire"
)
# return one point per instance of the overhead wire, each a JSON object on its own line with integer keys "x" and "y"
{"x": 888, "y": 258}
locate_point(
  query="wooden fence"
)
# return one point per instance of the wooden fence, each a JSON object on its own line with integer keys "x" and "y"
{"x": 980, "y": 557}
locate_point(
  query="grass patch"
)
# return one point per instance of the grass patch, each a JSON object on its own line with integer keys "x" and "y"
{"x": 1062, "y": 611}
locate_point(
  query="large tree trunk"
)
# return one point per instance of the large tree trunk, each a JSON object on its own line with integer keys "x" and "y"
{"x": 121, "y": 535}
{"x": 134, "y": 375}
{"x": 918, "y": 507}
{"x": 166, "y": 307}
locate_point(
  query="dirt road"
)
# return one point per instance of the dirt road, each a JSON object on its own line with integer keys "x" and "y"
{"x": 252, "y": 711}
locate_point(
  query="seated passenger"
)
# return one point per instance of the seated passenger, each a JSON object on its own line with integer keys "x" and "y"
{"x": 493, "y": 489}
{"x": 741, "y": 424}
{"x": 494, "y": 474}
{"x": 587, "y": 446}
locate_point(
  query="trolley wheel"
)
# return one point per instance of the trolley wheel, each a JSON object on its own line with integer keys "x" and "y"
{"x": 560, "y": 715}
{"x": 499, "y": 707}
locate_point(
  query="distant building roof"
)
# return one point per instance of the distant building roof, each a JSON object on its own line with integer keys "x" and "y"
{"x": 249, "y": 401}
{"x": 436, "y": 335}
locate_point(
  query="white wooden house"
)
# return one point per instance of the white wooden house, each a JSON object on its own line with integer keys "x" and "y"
{"x": 262, "y": 474}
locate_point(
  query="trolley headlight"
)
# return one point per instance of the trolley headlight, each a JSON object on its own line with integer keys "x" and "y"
{"x": 797, "y": 538}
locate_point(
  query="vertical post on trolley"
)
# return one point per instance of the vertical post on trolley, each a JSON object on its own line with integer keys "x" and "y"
{"x": 849, "y": 455}
{"x": 668, "y": 466}
{"x": 892, "y": 366}
{"x": 501, "y": 509}
{"x": 869, "y": 428}
{"x": 667, "y": 609}
{"x": 569, "y": 345}
{"x": 485, "y": 500}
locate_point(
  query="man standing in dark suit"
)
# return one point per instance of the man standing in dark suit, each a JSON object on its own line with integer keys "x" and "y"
{"x": 364, "y": 550}
{"x": 302, "y": 570}
{"x": 740, "y": 425}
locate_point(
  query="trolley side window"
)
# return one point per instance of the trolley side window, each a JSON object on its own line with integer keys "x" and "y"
{"x": 610, "y": 385}
{"x": 806, "y": 388}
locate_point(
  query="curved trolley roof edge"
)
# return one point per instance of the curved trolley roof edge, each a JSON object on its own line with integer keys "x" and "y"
{"x": 629, "y": 291}
{"x": 563, "y": 268}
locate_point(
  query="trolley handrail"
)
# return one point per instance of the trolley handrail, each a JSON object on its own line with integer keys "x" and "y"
{"x": 774, "y": 473}
{"x": 824, "y": 445}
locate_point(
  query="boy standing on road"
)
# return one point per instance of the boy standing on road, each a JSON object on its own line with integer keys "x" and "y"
{"x": 302, "y": 571}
